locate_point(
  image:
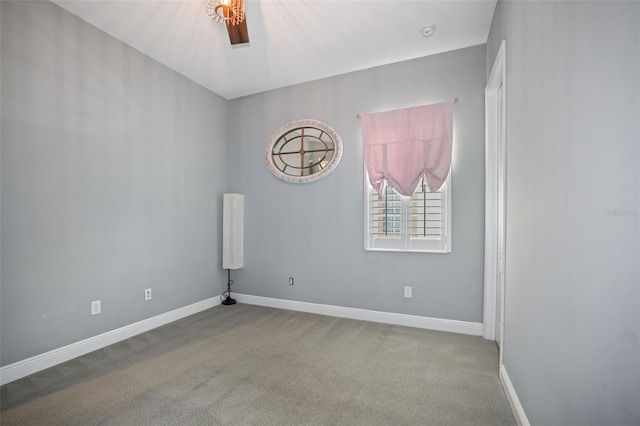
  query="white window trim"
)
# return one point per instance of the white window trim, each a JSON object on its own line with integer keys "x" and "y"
{"x": 404, "y": 244}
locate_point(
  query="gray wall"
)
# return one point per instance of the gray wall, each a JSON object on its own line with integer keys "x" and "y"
{"x": 112, "y": 168}
{"x": 315, "y": 232}
{"x": 572, "y": 321}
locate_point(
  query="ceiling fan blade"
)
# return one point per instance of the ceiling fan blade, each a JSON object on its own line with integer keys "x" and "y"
{"x": 238, "y": 34}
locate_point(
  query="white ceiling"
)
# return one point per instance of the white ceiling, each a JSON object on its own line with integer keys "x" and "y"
{"x": 292, "y": 41}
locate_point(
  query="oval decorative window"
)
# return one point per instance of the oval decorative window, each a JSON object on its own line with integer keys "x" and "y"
{"x": 303, "y": 151}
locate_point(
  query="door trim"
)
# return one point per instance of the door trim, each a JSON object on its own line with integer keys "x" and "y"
{"x": 497, "y": 78}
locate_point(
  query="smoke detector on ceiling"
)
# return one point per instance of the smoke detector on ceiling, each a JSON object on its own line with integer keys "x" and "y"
{"x": 428, "y": 30}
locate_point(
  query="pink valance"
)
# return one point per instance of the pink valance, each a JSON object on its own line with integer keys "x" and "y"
{"x": 405, "y": 145}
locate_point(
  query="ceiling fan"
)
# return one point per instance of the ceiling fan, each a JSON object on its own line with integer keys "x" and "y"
{"x": 231, "y": 12}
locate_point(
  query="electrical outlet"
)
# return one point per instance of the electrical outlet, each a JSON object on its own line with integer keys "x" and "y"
{"x": 147, "y": 294}
{"x": 408, "y": 292}
{"x": 96, "y": 307}
{"x": 291, "y": 281}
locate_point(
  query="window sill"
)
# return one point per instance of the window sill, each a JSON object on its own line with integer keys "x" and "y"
{"x": 407, "y": 251}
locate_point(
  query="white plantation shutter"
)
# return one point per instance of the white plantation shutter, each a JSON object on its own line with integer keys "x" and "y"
{"x": 385, "y": 216}
{"x": 425, "y": 214}
{"x": 418, "y": 223}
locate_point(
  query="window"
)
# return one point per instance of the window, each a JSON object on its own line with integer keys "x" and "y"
{"x": 420, "y": 223}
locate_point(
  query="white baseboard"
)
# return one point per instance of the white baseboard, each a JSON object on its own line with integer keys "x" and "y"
{"x": 463, "y": 327}
{"x": 23, "y": 368}
{"x": 512, "y": 397}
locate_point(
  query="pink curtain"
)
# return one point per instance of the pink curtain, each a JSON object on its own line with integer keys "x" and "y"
{"x": 405, "y": 145}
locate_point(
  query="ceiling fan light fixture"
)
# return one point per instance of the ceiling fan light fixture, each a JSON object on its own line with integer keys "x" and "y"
{"x": 228, "y": 11}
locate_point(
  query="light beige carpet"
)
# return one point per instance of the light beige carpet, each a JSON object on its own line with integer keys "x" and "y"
{"x": 250, "y": 365}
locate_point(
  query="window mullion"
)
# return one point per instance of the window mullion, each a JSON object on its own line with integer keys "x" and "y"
{"x": 405, "y": 221}
{"x": 387, "y": 219}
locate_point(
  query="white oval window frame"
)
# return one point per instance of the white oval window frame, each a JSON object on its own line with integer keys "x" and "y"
{"x": 296, "y": 124}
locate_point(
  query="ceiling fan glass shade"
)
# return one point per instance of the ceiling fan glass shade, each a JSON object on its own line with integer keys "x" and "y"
{"x": 229, "y": 11}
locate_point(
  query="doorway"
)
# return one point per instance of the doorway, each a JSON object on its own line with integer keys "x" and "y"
{"x": 495, "y": 203}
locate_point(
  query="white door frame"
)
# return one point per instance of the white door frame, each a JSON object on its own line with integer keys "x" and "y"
{"x": 497, "y": 78}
